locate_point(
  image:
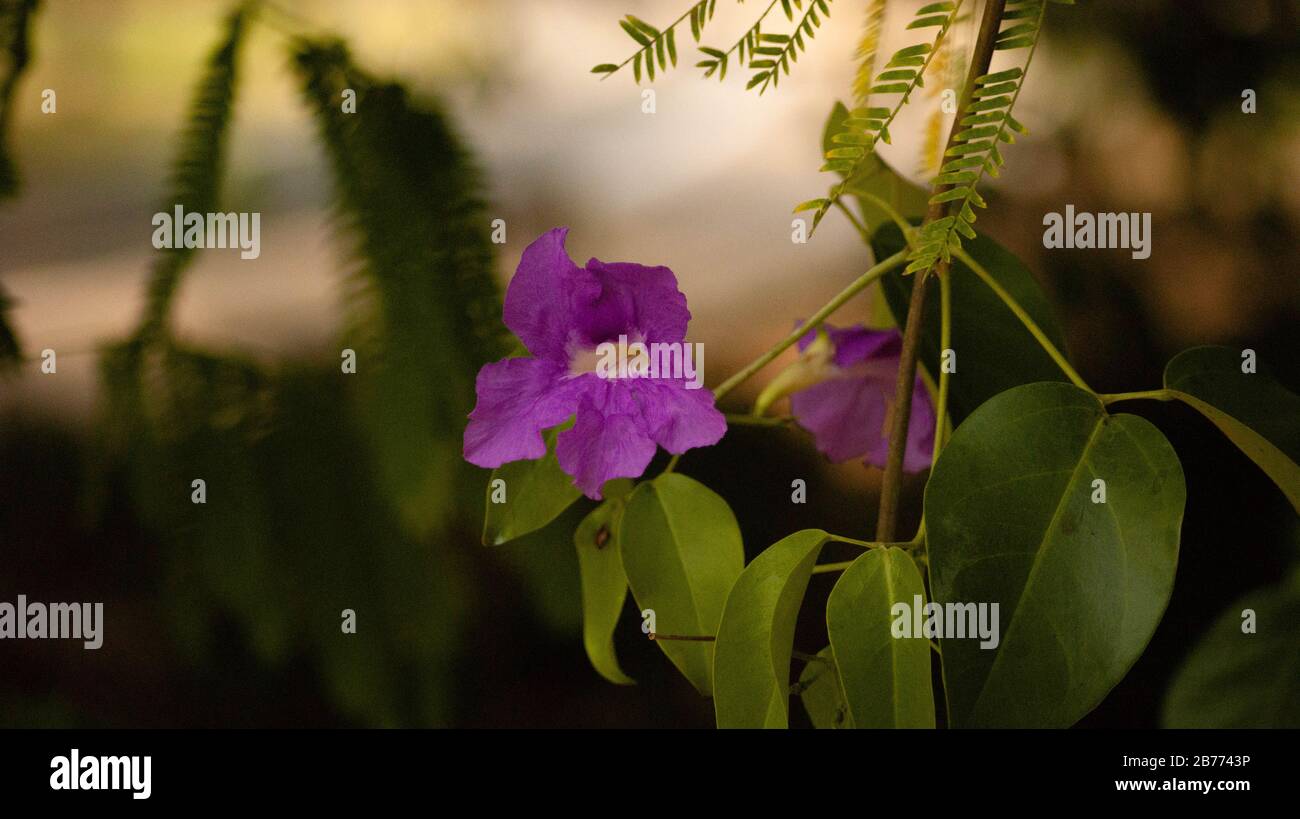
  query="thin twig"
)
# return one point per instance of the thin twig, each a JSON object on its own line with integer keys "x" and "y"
{"x": 891, "y": 486}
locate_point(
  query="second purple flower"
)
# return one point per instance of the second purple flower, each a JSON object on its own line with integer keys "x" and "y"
{"x": 849, "y": 408}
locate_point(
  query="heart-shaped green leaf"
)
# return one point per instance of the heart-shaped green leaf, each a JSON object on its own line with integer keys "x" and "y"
{"x": 534, "y": 493}
{"x": 1257, "y": 413}
{"x": 886, "y": 679}
{"x": 682, "y": 552}
{"x": 994, "y": 351}
{"x": 1012, "y": 518}
{"x": 1236, "y": 679}
{"x": 751, "y": 665}
{"x": 604, "y": 585}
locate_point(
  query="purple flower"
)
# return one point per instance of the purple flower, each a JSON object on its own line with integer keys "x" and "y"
{"x": 563, "y": 313}
{"x": 849, "y": 409}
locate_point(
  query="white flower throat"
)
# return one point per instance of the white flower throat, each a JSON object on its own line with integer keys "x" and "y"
{"x": 636, "y": 359}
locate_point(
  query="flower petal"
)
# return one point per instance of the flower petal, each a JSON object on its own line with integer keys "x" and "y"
{"x": 857, "y": 343}
{"x": 636, "y": 300}
{"x": 678, "y": 418}
{"x": 845, "y": 416}
{"x": 541, "y": 299}
{"x": 517, "y": 399}
{"x": 849, "y": 415}
{"x": 604, "y": 443}
{"x": 920, "y": 431}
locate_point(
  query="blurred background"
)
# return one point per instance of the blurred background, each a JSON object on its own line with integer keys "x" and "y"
{"x": 329, "y": 492}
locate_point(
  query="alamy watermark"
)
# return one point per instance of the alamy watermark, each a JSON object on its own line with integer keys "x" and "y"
{"x": 75, "y": 772}
{"x": 197, "y": 230}
{"x": 53, "y": 621}
{"x": 947, "y": 621}
{"x": 675, "y": 360}
{"x": 1100, "y": 230}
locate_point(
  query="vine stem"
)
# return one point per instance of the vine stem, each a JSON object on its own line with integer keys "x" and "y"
{"x": 1024, "y": 317}
{"x": 945, "y": 343}
{"x": 818, "y": 318}
{"x": 891, "y": 486}
{"x": 857, "y": 223}
{"x": 1154, "y": 395}
{"x": 759, "y": 420}
{"x": 865, "y": 544}
{"x": 827, "y": 568}
{"x": 892, "y": 213}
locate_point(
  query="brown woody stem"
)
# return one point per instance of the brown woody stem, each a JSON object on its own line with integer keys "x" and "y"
{"x": 891, "y": 487}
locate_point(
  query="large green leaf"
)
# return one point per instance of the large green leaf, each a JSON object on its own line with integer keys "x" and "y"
{"x": 536, "y": 492}
{"x": 1234, "y": 679}
{"x": 682, "y": 553}
{"x": 1010, "y": 519}
{"x": 1257, "y": 413}
{"x": 751, "y": 666}
{"x": 604, "y": 584}
{"x": 822, "y": 693}
{"x": 886, "y": 679}
{"x": 994, "y": 351}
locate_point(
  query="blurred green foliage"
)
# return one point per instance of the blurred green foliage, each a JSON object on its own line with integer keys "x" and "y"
{"x": 15, "y": 52}
{"x": 325, "y": 490}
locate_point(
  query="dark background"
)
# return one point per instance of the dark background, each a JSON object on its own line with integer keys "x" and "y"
{"x": 236, "y": 623}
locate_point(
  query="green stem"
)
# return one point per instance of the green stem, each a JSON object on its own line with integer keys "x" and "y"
{"x": 891, "y": 212}
{"x": 1029, "y": 323}
{"x": 1154, "y": 395}
{"x": 857, "y": 223}
{"x": 866, "y": 544}
{"x": 759, "y": 420}
{"x": 918, "y": 540}
{"x": 945, "y": 343}
{"x": 858, "y": 285}
{"x": 827, "y": 568}
{"x": 808, "y": 658}
{"x": 871, "y": 544}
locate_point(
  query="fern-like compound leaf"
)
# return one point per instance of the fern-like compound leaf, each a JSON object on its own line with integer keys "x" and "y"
{"x": 902, "y": 75}
{"x": 657, "y": 48}
{"x": 974, "y": 152}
